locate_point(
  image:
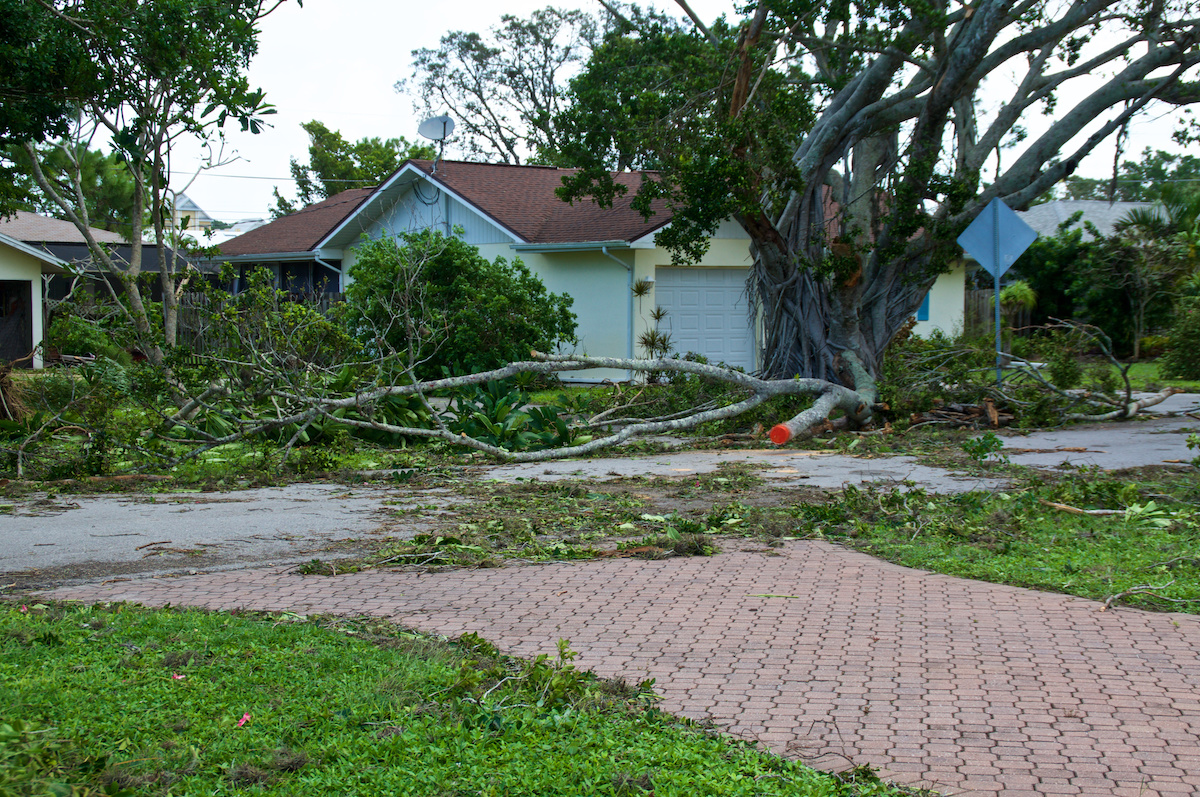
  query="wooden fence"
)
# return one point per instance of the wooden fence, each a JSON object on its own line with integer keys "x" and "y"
{"x": 195, "y": 330}
{"x": 980, "y": 316}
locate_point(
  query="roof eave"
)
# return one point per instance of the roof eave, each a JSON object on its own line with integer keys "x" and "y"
{"x": 279, "y": 257}
{"x": 50, "y": 263}
{"x": 570, "y": 246}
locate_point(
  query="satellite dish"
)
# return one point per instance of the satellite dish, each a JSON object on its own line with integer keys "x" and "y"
{"x": 436, "y": 128}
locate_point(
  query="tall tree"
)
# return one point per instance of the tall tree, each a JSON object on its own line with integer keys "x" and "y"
{"x": 1144, "y": 260}
{"x": 851, "y": 222}
{"x": 334, "y": 165}
{"x": 44, "y": 70}
{"x": 1143, "y": 180}
{"x": 103, "y": 176}
{"x": 164, "y": 70}
{"x": 504, "y": 89}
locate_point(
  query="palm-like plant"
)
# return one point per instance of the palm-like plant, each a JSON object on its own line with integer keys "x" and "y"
{"x": 1154, "y": 250}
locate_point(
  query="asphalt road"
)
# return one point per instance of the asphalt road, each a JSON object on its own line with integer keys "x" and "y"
{"x": 61, "y": 539}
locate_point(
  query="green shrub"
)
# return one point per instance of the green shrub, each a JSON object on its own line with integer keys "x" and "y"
{"x": 498, "y": 414}
{"x": 263, "y": 323}
{"x": 1154, "y": 345}
{"x": 1061, "y": 351}
{"x": 437, "y": 302}
{"x": 71, "y": 334}
{"x": 1182, "y": 358}
{"x": 918, "y": 373}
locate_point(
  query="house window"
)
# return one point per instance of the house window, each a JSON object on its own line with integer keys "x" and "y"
{"x": 923, "y": 310}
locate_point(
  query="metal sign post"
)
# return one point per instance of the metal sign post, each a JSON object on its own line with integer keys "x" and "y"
{"x": 996, "y": 239}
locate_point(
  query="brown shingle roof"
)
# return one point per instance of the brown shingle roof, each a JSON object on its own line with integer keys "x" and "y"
{"x": 300, "y": 231}
{"x": 522, "y": 199}
{"x": 519, "y": 198}
{"x": 33, "y": 228}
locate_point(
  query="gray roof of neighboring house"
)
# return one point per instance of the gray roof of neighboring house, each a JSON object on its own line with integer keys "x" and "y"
{"x": 34, "y": 228}
{"x": 1046, "y": 218}
{"x": 63, "y": 240}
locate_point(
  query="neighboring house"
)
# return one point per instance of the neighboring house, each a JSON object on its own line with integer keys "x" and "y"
{"x": 21, "y": 270}
{"x": 63, "y": 240}
{"x": 1046, "y": 218}
{"x": 197, "y": 220}
{"x": 594, "y": 254}
{"x": 240, "y": 227}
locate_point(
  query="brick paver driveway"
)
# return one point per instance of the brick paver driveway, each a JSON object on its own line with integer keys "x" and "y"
{"x": 822, "y": 653}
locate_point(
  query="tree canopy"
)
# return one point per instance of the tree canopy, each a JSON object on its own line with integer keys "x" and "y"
{"x": 335, "y": 165}
{"x": 106, "y": 182}
{"x": 45, "y": 71}
{"x": 852, "y": 206}
{"x": 444, "y": 307}
{"x": 506, "y": 87}
{"x": 1143, "y": 180}
{"x": 158, "y": 71}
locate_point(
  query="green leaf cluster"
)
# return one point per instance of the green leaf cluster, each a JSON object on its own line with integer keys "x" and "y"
{"x": 1146, "y": 179}
{"x": 335, "y": 165}
{"x": 660, "y": 100}
{"x": 438, "y": 302}
{"x": 1182, "y": 357}
{"x": 44, "y": 70}
{"x": 500, "y": 415}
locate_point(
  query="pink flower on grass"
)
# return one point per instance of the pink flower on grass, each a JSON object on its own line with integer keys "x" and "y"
{"x": 177, "y": 677}
{"x": 245, "y": 718}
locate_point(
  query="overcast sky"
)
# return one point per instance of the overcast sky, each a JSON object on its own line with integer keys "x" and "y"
{"x": 338, "y": 60}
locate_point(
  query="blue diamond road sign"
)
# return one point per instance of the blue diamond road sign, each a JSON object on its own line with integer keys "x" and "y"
{"x": 997, "y": 238}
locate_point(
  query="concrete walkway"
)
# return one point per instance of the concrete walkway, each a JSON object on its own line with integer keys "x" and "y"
{"x": 824, "y": 654}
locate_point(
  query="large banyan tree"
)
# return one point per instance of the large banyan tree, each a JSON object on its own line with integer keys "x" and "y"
{"x": 853, "y": 141}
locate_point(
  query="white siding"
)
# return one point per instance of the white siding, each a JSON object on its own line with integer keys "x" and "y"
{"x": 428, "y": 207}
{"x": 18, "y": 266}
{"x": 947, "y": 302}
{"x": 477, "y": 230}
{"x": 409, "y": 214}
{"x": 599, "y": 287}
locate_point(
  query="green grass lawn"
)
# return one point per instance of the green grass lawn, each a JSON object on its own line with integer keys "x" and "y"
{"x": 122, "y": 700}
{"x": 1146, "y": 373}
{"x": 1149, "y": 548}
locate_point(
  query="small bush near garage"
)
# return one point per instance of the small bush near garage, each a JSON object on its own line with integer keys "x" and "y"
{"x": 71, "y": 334}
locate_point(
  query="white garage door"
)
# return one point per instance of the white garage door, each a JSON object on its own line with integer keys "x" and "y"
{"x": 707, "y": 313}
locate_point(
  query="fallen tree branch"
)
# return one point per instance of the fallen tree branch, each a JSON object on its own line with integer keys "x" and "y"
{"x": 1146, "y": 589}
{"x": 1129, "y": 410}
{"x": 1076, "y": 511}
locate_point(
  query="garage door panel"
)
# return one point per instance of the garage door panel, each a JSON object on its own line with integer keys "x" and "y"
{"x": 707, "y": 313}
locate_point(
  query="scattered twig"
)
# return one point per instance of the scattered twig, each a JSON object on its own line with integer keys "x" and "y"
{"x": 430, "y": 558}
{"x": 151, "y": 544}
{"x": 1190, "y": 559}
{"x": 1146, "y": 589}
{"x": 1076, "y": 511}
